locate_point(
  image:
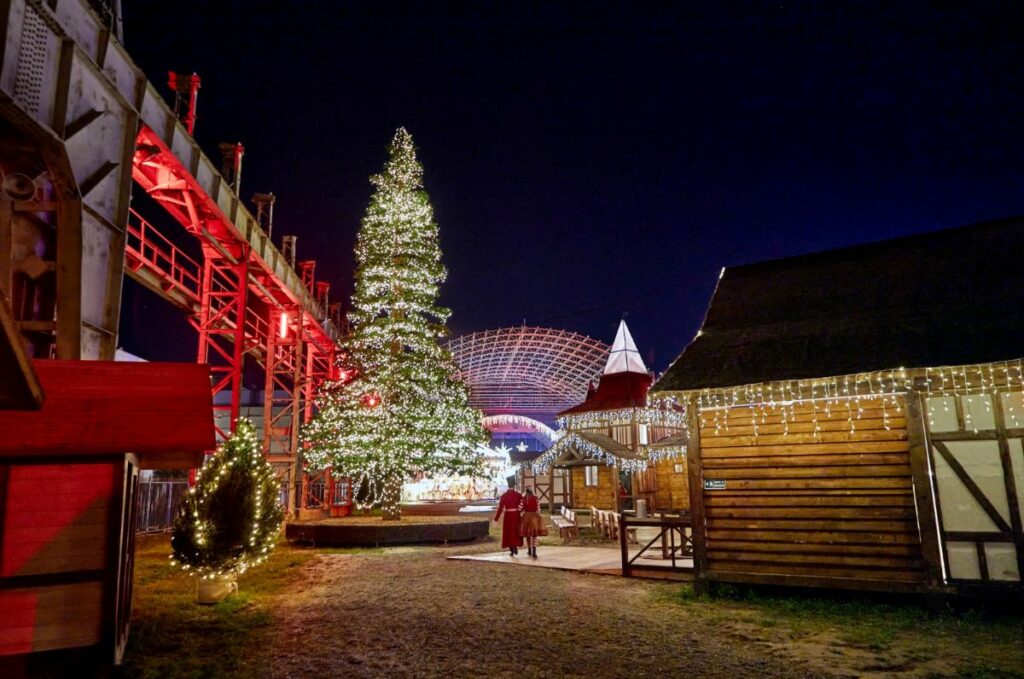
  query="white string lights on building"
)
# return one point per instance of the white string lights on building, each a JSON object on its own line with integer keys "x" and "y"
{"x": 809, "y": 401}
{"x": 655, "y": 416}
{"x": 656, "y": 454}
{"x": 573, "y": 440}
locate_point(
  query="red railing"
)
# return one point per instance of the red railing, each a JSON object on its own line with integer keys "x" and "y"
{"x": 151, "y": 249}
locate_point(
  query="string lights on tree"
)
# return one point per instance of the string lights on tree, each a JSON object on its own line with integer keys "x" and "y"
{"x": 399, "y": 407}
{"x": 230, "y": 519}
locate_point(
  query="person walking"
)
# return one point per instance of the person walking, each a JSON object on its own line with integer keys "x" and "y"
{"x": 530, "y": 525}
{"x": 509, "y": 505}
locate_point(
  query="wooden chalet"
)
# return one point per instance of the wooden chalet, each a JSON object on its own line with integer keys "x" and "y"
{"x": 856, "y": 417}
{"x": 552, "y": 489}
{"x": 68, "y": 485}
{"x": 610, "y": 433}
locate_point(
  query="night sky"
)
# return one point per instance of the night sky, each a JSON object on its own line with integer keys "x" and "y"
{"x": 587, "y": 161}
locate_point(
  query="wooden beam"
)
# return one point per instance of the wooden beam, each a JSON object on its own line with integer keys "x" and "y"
{"x": 972, "y": 487}
{"x": 1011, "y": 484}
{"x": 19, "y": 387}
{"x": 924, "y": 492}
{"x": 696, "y": 478}
{"x": 69, "y": 278}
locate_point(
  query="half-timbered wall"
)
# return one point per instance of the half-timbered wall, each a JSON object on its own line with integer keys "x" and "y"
{"x": 541, "y": 485}
{"x": 833, "y": 507}
{"x": 978, "y": 461}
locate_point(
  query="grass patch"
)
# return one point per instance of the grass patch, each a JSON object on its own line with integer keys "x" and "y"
{"x": 172, "y": 636}
{"x": 991, "y": 638}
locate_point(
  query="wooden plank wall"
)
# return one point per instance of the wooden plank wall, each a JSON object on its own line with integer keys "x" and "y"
{"x": 672, "y": 488}
{"x": 601, "y": 496}
{"x": 55, "y": 553}
{"x": 832, "y": 509}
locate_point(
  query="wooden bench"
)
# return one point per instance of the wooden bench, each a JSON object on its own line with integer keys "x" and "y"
{"x": 630, "y": 532}
{"x": 566, "y": 524}
{"x": 601, "y": 521}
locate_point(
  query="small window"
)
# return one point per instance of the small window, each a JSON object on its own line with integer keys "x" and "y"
{"x": 590, "y": 475}
{"x": 643, "y": 434}
{"x": 679, "y": 468}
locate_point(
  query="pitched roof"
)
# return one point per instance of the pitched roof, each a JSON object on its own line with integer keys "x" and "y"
{"x": 523, "y": 457}
{"x": 589, "y": 445}
{"x": 949, "y": 297}
{"x": 624, "y": 357}
{"x": 624, "y": 382}
{"x": 163, "y": 412}
{"x": 670, "y": 441}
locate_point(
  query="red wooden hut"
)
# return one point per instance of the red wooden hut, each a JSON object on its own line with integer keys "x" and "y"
{"x": 68, "y": 483}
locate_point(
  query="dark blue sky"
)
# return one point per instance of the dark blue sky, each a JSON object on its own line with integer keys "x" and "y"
{"x": 594, "y": 159}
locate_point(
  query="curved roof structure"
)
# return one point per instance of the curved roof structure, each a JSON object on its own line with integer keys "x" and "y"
{"x": 526, "y": 370}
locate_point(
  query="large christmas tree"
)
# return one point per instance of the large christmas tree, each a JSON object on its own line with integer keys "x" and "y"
{"x": 399, "y": 407}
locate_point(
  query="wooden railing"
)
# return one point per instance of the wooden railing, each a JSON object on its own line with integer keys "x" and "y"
{"x": 675, "y": 544}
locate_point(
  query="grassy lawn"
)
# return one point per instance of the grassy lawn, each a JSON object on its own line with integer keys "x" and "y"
{"x": 371, "y": 612}
{"x": 172, "y": 636}
{"x": 891, "y": 634}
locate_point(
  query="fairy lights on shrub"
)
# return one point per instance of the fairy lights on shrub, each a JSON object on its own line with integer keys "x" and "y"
{"x": 230, "y": 519}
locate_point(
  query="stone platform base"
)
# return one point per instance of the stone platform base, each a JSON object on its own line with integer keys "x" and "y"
{"x": 372, "y": 531}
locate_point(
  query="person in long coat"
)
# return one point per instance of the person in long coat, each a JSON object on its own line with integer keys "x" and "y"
{"x": 508, "y": 505}
{"x": 530, "y": 524}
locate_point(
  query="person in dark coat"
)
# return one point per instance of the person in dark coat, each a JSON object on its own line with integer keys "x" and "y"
{"x": 530, "y": 524}
{"x": 509, "y": 505}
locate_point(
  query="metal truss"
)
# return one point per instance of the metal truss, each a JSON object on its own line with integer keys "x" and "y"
{"x": 243, "y": 300}
{"x": 528, "y": 370}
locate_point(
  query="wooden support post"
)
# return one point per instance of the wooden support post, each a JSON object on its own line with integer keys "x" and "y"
{"x": 924, "y": 492}
{"x": 551, "y": 489}
{"x": 696, "y": 479}
{"x": 624, "y": 546}
{"x": 616, "y": 489}
{"x": 69, "y": 278}
{"x": 569, "y": 487}
{"x": 1017, "y": 526}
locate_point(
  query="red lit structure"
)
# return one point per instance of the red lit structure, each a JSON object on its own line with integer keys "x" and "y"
{"x": 87, "y": 131}
{"x": 238, "y": 301}
{"x": 66, "y": 563}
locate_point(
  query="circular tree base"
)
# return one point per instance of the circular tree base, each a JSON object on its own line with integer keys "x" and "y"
{"x": 372, "y": 530}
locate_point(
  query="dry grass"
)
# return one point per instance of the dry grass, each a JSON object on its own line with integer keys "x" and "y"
{"x": 410, "y": 612}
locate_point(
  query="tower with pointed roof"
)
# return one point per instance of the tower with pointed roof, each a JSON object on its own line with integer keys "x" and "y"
{"x": 614, "y": 442}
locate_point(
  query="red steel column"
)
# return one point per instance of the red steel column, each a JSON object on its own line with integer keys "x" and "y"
{"x": 221, "y": 326}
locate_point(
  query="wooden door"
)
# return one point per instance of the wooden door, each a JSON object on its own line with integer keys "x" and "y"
{"x": 975, "y": 447}
{"x": 560, "y": 489}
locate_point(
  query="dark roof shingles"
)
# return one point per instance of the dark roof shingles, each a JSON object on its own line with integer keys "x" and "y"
{"x": 942, "y": 298}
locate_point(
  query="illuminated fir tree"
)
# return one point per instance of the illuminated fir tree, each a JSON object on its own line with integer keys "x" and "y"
{"x": 399, "y": 406}
{"x": 230, "y": 519}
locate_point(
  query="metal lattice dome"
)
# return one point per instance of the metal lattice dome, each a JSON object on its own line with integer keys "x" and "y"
{"x": 530, "y": 371}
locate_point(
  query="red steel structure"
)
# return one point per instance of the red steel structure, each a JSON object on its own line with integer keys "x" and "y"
{"x": 236, "y": 300}
{"x": 84, "y": 131}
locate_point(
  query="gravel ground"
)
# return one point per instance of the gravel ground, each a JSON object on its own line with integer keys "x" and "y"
{"x": 411, "y": 612}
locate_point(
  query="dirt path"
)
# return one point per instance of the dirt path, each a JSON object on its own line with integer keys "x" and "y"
{"x": 412, "y": 613}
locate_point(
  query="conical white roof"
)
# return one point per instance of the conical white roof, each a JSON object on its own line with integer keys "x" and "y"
{"x": 624, "y": 357}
